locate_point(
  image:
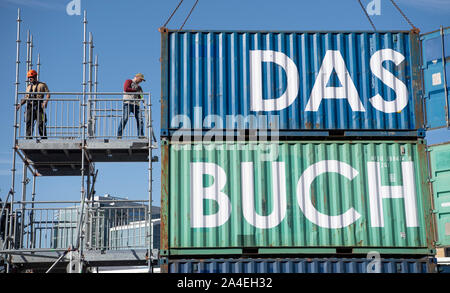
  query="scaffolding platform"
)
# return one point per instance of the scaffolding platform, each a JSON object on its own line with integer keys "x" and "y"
{"x": 52, "y": 157}
{"x": 118, "y": 150}
{"x": 63, "y": 157}
{"x": 95, "y": 258}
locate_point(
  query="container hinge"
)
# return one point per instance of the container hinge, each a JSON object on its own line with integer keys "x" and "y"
{"x": 436, "y": 243}
{"x": 435, "y": 211}
{"x": 427, "y": 149}
{"x": 431, "y": 180}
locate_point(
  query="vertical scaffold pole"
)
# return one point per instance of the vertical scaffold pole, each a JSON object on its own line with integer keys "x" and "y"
{"x": 33, "y": 196}
{"x": 16, "y": 103}
{"x": 90, "y": 84}
{"x": 16, "y": 111}
{"x": 38, "y": 66}
{"x": 150, "y": 181}
{"x": 24, "y": 198}
{"x": 96, "y": 75}
{"x": 28, "y": 50}
{"x": 94, "y": 106}
{"x": 25, "y": 165}
{"x": 31, "y": 51}
{"x": 79, "y": 242}
{"x": 91, "y": 62}
{"x": 87, "y": 238}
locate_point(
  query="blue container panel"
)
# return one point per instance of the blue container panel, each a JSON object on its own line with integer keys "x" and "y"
{"x": 432, "y": 46}
{"x": 445, "y": 269}
{"x": 435, "y": 77}
{"x": 207, "y": 77}
{"x": 299, "y": 265}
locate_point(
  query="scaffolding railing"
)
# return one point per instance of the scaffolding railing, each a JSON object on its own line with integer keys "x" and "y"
{"x": 131, "y": 236}
{"x": 52, "y": 226}
{"x": 62, "y": 117}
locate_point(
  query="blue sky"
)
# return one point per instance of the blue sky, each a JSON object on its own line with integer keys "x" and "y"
{"x": 127, "y": 41}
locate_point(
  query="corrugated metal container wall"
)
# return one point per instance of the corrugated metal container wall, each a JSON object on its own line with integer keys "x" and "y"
{"x": 359, "y": 194}
{"x": 436, "y": 75}
{"x": 302, "y": 265}
{"x": 440, "y": 177}
{"x": 309, "y": 80}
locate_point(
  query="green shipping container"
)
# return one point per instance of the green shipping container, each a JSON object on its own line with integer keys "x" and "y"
{"x": 440, "y": 177}
{"x": 295, "y": 197}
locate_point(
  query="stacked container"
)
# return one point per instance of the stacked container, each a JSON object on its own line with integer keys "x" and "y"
{"x": 285, "y": 146}
{"x": 436, "y": 74}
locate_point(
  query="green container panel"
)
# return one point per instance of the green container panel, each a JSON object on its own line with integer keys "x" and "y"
{"x": 440, "y": 169}
{"x": 365, "y": 194}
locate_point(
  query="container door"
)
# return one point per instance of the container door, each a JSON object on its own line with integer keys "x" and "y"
{"x": 436, "y": 74}
{"x": 440, "y": 178}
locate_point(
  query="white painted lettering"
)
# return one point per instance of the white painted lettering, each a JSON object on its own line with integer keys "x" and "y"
{"x": 378, "y": 192}
{"x": 213, "y": 192}
{"x": 304, "y": 195}
{"x": 333, "y": 61}
{"x": 376, "y": 65}
{"x": 257, "y": 103}
{"x": 278, "y": 196}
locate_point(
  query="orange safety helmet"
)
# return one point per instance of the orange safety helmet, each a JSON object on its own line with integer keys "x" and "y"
{"x": 31, "y": 73}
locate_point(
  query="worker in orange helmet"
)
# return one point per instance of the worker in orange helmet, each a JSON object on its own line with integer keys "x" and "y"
{"x": 35, "y": 108}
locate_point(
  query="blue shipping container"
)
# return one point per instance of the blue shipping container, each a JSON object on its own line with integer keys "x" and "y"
{"x": 436, "y": 72}
{"x": 302, "y": 265}
{"x": 291, "y": 81}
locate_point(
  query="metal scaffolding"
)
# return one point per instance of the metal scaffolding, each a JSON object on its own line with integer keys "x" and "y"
{"x": 81, "y": 128}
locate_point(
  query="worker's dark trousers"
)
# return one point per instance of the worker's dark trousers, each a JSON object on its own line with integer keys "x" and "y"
{"x": 127, "y": 109}
{"x": 35, "y": 112}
